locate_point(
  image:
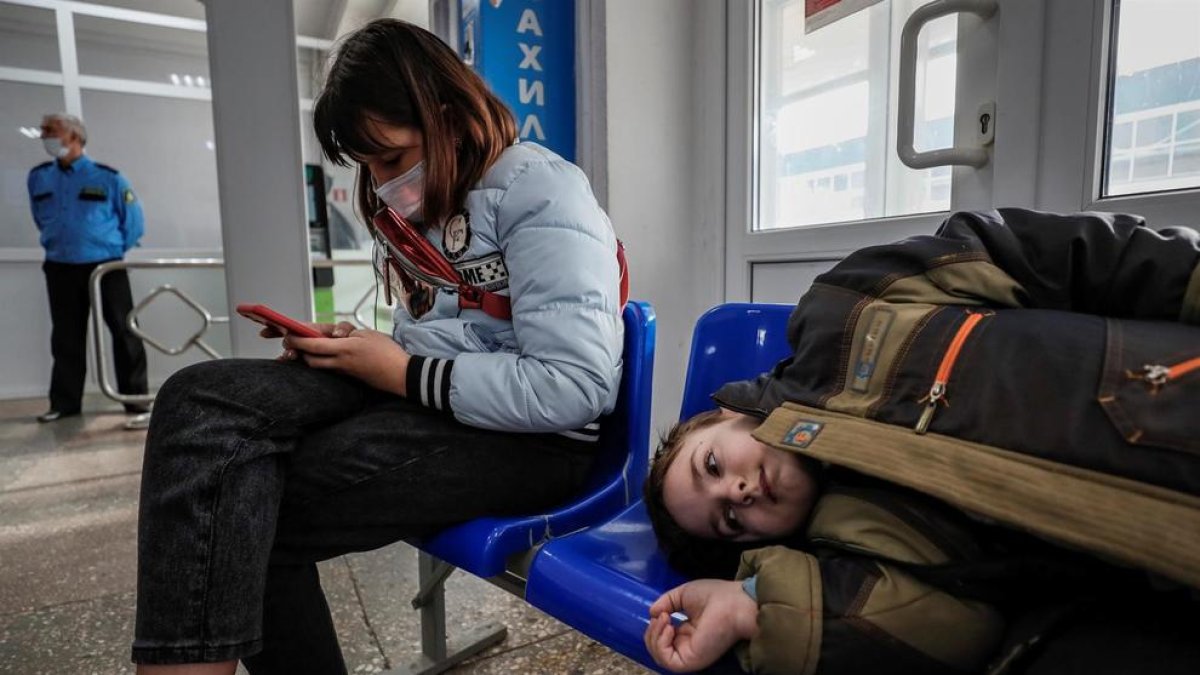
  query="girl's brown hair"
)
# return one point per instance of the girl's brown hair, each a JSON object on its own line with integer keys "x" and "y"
{"x": 398, "y": 73}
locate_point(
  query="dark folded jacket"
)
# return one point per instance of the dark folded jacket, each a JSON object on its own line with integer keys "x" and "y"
{"x": 1041, "y": 371}
{"x": 1064, "y": 326}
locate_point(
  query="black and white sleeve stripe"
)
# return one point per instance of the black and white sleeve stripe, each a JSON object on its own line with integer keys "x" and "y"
{"x": 428, "y": 381}
{"x": 589, "y": 433}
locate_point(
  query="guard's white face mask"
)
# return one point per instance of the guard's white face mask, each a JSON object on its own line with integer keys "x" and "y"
{"x": 54, "y": 147}
{"x": 403, "y": 193}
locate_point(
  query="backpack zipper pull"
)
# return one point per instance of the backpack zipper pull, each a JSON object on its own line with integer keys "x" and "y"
{"x": 1157, "y": 375}
{"x": 936, "y": 395}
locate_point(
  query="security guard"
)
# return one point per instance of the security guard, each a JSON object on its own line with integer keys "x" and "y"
{"x": 87, "y": 215}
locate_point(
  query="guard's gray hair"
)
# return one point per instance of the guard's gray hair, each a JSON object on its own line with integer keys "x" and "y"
{"x": 72, "y": 123}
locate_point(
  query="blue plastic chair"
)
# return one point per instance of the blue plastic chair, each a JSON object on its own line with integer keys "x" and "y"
{"x": 602, "y": 581}
{"x": 482, "y": 546}
{"x": 734, "y": 341}
{"x": 497, "y": 548}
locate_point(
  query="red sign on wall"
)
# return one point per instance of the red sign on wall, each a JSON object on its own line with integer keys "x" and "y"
{"x": 818, "y": 13}
{"x": 813, "y": 6}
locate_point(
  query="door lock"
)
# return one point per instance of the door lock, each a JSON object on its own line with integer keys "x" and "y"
{"x": 985, "y": 124}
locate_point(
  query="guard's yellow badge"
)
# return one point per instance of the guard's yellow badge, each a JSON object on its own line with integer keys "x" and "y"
{"x": 129, "y": 196}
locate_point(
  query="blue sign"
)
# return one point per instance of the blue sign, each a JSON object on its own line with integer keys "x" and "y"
{"x": 525, "y": 51}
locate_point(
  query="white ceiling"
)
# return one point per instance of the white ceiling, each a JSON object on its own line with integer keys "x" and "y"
{"x": 191, "y": 9}
{"x": 327, "y": 19}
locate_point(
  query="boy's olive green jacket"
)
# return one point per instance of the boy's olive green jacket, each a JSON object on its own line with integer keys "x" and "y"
{"x": 1040, "y": 370}
{"x": 850, "y": 605}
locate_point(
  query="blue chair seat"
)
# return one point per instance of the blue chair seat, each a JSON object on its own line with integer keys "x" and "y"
{"x": 483, "y": 546}
{"x": 602, "y": 581}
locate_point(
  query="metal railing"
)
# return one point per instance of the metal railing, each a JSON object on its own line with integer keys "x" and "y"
{"x": 196, "y": 339}
{"x": 355, "y": 314}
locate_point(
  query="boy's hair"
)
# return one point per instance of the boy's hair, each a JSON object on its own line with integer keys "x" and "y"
{"x": 687, "y": 553}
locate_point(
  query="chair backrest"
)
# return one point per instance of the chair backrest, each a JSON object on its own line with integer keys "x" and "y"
{"x": 482, "y": 546}
{"x": 603, "y": 580}
{"x": 734, "y": 341}
{"x": 625, "y": 432}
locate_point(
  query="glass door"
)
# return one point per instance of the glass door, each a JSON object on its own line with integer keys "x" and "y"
{"x": 814, "y": 171}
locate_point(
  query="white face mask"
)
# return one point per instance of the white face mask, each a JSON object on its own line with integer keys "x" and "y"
{"x": 54, "y": 147}
{"x": 404, "y": 192}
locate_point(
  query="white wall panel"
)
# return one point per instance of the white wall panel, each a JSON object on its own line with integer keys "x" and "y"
{"x": 21, "y": 105}
{"x": 164, "y": 147}
{"x": 648, "y": 120}
{"x": 121, "y": 49}
{"x": 784, "y": 282}
{"x": 28, "y": 37}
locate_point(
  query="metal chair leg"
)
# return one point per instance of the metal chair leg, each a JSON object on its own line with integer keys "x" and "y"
{"x": 437, "y": 655}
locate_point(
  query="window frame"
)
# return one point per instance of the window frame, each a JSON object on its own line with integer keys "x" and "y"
{"x": 1050, "y": 121}
{"x": 1089, "y": 23}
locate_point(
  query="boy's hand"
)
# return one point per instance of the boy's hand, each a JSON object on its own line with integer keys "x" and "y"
{"x": 368, "y": 355}
{"x": 719, "y": 615}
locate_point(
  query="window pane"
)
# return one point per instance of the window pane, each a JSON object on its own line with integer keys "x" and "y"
{"x": 134, "y": 51}
{"x": 1154, "y": 131}
{"x": 1154, "y": 104}
{"x": 1187, "y": 160}
{"x": 308, "y": 70}
{"x": 1187, "y": 126}
{"x": 172, "y": 166}
{"x": 824, "y": 149}
{"x": 1151, "y": 165}
{"x": 808, "y": 61}
{"x": 1119, "y": 170}
{"x": 21, "y": 110}
{"x": 1122, "y": 136}
{"x": 28, "y": 38}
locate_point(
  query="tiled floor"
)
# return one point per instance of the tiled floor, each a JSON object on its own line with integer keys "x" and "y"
{"x": 68, "y": 510}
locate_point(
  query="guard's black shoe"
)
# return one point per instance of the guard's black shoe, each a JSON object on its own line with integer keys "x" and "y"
{"x": 54, "y": 415}
{"x": 136, "y": 408}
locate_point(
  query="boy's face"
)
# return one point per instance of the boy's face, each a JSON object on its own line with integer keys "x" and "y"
{"x": 723, "y": 484}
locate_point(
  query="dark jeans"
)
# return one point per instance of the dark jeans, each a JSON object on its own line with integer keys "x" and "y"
{"x": 70, "y": 306}
{"x": 255, "y": 470}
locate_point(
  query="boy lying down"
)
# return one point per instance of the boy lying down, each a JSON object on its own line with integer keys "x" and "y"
{"x": 1069, "y": 341}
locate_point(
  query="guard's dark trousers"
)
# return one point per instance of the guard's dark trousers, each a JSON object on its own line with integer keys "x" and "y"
{"x": 67, "y": 285}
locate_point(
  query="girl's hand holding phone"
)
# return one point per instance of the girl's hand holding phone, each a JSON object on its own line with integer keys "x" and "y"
{"x": 331, "y": 330}
{"x": 280, "y": 324}
{"x": 368, "y": 355}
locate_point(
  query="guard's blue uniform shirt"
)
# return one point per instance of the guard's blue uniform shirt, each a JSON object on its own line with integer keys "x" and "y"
{"x": 86, "y": 212}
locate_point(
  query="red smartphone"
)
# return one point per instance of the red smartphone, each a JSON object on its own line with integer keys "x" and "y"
{"x": 284, "y": 324}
